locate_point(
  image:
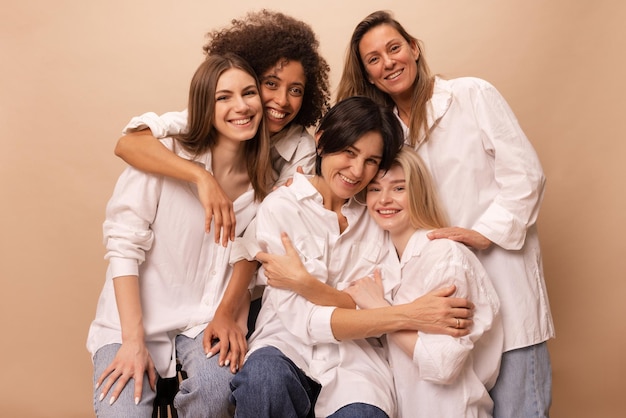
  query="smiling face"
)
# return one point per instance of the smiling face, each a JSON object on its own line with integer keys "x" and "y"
{"x": 238, "y": 109}
{"x": 282, "y": 90}
{"x": 347, "y": 172}
{"x": 389, "y": 60}
{"x": 388, "y": 202}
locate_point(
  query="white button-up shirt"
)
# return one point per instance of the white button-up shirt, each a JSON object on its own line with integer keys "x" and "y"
{"x": 490, "y": 180}
{"x": 349, "y": 371}
{"x": 447, "y": 376}
{"x": 292, "y": 147}
{"x": 154, "y": 230}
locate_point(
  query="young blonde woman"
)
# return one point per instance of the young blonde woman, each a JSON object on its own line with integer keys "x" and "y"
{"x": 435, "y": 375}
{"x": 490, "y": 182}
{"x": 166, "y": 276}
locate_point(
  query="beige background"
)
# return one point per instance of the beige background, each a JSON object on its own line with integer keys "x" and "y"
{"x": 73, "y": 72}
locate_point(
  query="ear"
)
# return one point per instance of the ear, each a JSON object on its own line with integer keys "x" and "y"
{"x": 318, "y": 134}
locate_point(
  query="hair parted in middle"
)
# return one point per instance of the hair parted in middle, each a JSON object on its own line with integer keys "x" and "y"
{"x": 354, "y": 79}
{"x": 201, "y": 134}
{"x": 265, "y": 39}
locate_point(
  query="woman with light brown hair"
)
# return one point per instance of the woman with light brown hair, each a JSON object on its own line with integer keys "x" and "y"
{"x": 491, "y": 184}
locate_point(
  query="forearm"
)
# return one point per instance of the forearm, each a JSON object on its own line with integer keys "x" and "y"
{"x": 350, "y": 324}
{"x": 145, "y": 152}
{"x": 128, "y": 301}
{"x": 324, "y": 295}
{"x": 236, "y": 296}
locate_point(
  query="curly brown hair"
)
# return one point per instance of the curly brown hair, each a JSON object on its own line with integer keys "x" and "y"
{"x": 263, "y": 39}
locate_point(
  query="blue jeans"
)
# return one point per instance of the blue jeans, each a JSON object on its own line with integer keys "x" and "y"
{"x": 270, "y": 385}
{"x": 524, "y": 385}
{"x": 204, "y": 393}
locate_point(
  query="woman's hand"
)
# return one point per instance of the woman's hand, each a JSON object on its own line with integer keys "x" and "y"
{"x": 438, "y": 312}
{"x": 218, "y": 208}
{"x": 132, "y": 361}
{"x": 286, "y": 271}
{"x": 468, "y": 237}
{"x": 368, "y": 292}
{"x": 226, "y": 336}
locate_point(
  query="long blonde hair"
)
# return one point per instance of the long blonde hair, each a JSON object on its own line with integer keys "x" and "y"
{"x": 354, "y": 79}
{"x": 201, "y": 134}
{"x": 425, "y": 209}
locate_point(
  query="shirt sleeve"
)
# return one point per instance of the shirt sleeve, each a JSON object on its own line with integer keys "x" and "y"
{"x": 129, "y": 215}
{"x": 440, "y": 358}
{"x": 167, "y": 124}
{"x": 306, "y": 321}
{"x": 518, "y": 172}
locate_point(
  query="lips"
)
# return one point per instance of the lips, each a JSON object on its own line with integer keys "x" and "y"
{"x": 347, "y": 180}
{"x": 394, "y": 75}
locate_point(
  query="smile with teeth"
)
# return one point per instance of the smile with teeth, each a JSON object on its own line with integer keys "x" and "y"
{"x": 347, "y": 180}
{"x": 393, "y": 75}
{"x": 273, "y": 113}
{"x": 241, "y": 121}
{"x": 388, "y": 211}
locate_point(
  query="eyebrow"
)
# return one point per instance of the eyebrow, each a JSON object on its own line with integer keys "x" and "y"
{"x": 251, "y": 86}
{"x": 278, "y": 78}
{"x": 380, "y": 157}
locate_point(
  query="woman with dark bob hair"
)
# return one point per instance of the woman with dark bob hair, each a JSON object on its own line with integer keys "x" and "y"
{"x": 283, "y": 51}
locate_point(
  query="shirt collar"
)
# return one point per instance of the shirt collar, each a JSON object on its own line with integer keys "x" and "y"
{"x": 414, "y": 247}
{"x": 438, "y": 105}
{"x": 284, "y": 142}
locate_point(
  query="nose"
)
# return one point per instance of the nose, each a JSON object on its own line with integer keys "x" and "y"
{"x": 388, "y": 61}
{"x": 280, "y": 97}
{"x": 242, "y": 104}
{"x": 385, "y": 198}
{"x": 357, "y": 168}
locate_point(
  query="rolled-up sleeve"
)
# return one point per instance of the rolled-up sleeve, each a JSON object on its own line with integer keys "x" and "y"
{"x": 161, "y": 126}
{"x": 518, "y": 172}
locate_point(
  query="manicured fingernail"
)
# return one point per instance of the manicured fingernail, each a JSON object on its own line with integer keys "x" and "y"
{"x": 101, "y": 397}
{"x": 137, "y": 400}
{"x": 112, "y": 400}
{"x": 97, "y": 385}
{"x": 209, "y": 354}
{"x": 227, "y": 363}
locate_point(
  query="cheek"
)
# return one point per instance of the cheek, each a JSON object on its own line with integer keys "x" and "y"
{"x": 296, "y": 104}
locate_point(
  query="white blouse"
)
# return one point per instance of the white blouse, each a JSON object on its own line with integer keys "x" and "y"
{"x": 490, "y": 180}
{"x": 447, "y": 376}
{"x": 154, "y": 229}
{"x": 349, "y": 371}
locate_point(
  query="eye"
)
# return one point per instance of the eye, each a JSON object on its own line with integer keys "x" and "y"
{"x": 251, "y": 92}
{"x": 372, "y": 60}
{"x": 270, "y": 84}
{"x": 373, "y": 189}
{"x": 221, "y": 98}
{"x": 296, "y": 91}
{"x": 399, "y": 188}
{"x": 395, "y": 48}
{"x": 350, "y": 153}
{"x": 372, "y": 161}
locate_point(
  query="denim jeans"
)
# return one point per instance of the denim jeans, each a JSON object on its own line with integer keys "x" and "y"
{"x": 270, "y": 385}
{"x": 524, "y": 385}
{"x": 204, "y": 393}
